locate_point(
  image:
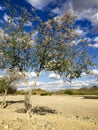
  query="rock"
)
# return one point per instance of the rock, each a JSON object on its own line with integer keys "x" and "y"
{"x": 2, "y": 122}
{"x": 6, "y": 126}
{"x": 18, "y": 128}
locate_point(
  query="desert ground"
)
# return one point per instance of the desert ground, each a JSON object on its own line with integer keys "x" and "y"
{"x": 50, "y": 113}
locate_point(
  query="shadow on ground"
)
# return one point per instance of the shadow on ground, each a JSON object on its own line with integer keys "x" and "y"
{"x": 39, "y": 110}
{"x": 8, "y": 103}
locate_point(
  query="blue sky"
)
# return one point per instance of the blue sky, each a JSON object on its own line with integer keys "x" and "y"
{"x": 86, "y": 25}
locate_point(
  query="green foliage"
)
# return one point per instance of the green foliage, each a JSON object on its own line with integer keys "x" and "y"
{"x": 5, "y": 85}
{"x": 82, "y": 91}
{"x": 21, "y": 92}
{"x": 56, "y": 52}
{"x": 46, "y": 94}
{"x": 33, "y": 93}
{"x": 52, "y": 48}
{"x": 70, "y": 92}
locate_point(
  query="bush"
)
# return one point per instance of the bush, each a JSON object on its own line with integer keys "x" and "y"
{"x": 10, "y": 90}
{"x": 5, "y": 85}
{"x": 81, "y": 93}
{"x": 21, "y": 92}
{"x": 46, "y": 93}
{"x": 33, "y": 93}
{"x": 70, "y": 92}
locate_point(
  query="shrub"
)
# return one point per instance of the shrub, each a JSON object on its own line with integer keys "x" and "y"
{"x": 12, "y": 90}
{"x": 34, "y": 93}
{"x": 46, "y": 93}
{"x": 5, "y": 85}
{"x": 21, "y": 92}
{"x": 81, "y": 93}
{"x": 70, "y": 92}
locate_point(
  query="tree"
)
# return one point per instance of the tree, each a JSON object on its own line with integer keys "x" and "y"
{"x": 7, "y": 84}
{"x": 53, "y": 48}
{"x": 60, "y": 49}
{"x": 16, "y": 47}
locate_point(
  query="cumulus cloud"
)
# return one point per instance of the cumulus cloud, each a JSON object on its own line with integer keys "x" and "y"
{"x": 86, "y": 80}
{"x": 1, "y": 8}
{"x": 6, "y": 17}
{"x": 93, "y": 45}
{"x": 87, "y": 9}
{"x": 96, "y": 39}
{"x": 60, "y": 85}
{"x": 95, "y": 72}
{"x": 79, "y": 31}
{"x": 39, "y": 4}
{"x": 54, "y": 76}
{"x": 30, "y": 74}
{"x": 56, "y": 10}
{"x": 33, "y": 74}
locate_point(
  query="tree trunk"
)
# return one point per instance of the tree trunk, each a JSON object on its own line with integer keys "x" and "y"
{"x": 28, "y": 104}
{"x": 28, "y": 93}
{"x": 4, "y": 99}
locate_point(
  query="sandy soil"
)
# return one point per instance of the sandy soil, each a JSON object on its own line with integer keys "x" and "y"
{"x": 50, "y": 113}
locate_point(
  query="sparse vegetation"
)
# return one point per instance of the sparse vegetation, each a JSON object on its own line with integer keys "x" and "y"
{"x": 21, "y": 92}
{"x": 82, "y": 91}
{"x": 5, "y": 85}
{"x": 46, "y": 93}
{"x": 70, "y": 92}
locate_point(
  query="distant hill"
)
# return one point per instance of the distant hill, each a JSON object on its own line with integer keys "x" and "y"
{"x": 82, "y": 91}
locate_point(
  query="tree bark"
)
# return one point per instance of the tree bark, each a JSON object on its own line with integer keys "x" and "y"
{"x": 4, "y": 99}
{"x": 28, "y": 93}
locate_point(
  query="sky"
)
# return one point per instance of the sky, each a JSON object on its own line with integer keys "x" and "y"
{"x": 86, "y": 25}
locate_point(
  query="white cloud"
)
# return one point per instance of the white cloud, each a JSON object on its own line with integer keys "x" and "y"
{"x": 79, "y": 31}
{"x": 2, "y": 8}
{"x": 93, "y": 45}
{"x": 54, "y": 76}
{"x": 87, "y": 9}
{"x": 60, "y": 85}
{"x": 30, "y": 74}
{"x": 95, "y": 72}
{"x": 86, "y": 80}
{"x": 6, "y": 17}
{"x": 83, "y": 74}
{"x": 56, "y": 10}
{"x": 28, "y": 24}
{"x": 33, "y": 74}
{"x": 51, "y": 86}
{"x": 0, "y": 76}
{"x": 96, "y": 39}
{"x": 39, "y": 4}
